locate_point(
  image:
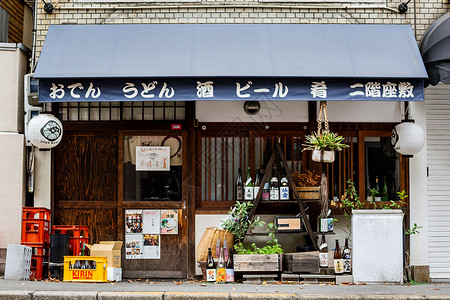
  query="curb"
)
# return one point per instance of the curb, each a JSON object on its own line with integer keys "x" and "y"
{"x": 95, "y": 295}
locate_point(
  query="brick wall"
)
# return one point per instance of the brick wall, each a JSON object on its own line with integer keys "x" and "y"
{"x": 251, "y": 11}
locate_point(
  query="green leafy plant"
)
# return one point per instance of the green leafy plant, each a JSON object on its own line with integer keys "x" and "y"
{"x": 396, "y": 204}
{"x": 373, "y": 192}
{"x": 414, "y": 230}
{"x": 325, "y": 140}
{"x": 237, "y": 221}
{"x": 272, "y": 247}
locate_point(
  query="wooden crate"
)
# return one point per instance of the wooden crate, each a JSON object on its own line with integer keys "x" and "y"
{"x": 309, "y": 192}
{"x": 301, "y": 262}
{"x": 254, "y": 263}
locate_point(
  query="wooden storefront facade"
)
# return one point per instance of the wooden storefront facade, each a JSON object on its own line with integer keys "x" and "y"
{"x": 89, "y": 176}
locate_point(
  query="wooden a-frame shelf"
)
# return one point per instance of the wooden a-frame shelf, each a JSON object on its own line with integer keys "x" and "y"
{"x": 279, "y": 159}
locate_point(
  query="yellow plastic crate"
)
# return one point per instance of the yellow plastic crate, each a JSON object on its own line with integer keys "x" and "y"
{"x": 85, "y": 268}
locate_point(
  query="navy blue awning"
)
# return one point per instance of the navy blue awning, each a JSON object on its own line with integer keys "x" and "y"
{"x": 358, "y": 54}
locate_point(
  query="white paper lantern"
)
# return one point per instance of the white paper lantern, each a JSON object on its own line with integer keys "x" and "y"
{"x": 45, "y": 131}
{"x": 408, "y": 138}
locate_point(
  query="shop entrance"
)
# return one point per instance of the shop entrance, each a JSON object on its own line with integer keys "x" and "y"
{"x": 152, "y": 201}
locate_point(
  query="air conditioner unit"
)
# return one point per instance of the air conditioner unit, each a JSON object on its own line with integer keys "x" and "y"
{"x": 31, "y": 105}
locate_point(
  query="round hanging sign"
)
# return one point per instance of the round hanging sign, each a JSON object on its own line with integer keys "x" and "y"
{"x": 408, "y": 138}
{"x": 45, "y": 131}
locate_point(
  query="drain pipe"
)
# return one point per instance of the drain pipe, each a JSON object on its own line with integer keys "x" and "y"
{"x": 33, "y": 47}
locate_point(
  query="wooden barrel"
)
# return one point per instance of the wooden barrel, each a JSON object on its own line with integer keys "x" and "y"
{"x": 209, "y": 239}
{"x": 309, "y": 192}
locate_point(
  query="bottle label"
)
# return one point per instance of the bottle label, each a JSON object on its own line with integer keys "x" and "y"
{"x": 211, "y": 275}
{"x": 220, "y": 274}
{"x": 323, "y": 246}
{"x": 323, "y": 259}
{"x": 338, "y": 266}
{"x": 265, "y": 195}
{"x": 248, "y": 193}
{"x": 347, "y": 265}
{"x": 249, "y": 180}
{"x": 239, "y": 193}
{"x": 274, "y": 194}
{"x": 255, "y": 191}
{"x": 284, "y": 193}
{"x": 229, "y": 275}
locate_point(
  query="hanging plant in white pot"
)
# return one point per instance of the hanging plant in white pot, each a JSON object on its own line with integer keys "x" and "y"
{"x": 324, "y": 143}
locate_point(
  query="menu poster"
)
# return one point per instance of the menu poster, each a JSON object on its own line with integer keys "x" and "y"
{"x": 134, "y": 246}
{"x": 152, "y": 248}
{"x": 150, "y": 158}
{"x": 169, "y": 221}
{"x": 151, "y": 221}
{"x": 133, "y": 221}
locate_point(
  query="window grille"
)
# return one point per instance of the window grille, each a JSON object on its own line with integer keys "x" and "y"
{"x": 122, "y": 111}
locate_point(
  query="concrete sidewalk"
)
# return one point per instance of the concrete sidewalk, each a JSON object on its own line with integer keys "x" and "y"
{"x": 174, "y": 290}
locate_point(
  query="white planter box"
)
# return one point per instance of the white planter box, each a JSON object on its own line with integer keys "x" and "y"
{"x": 377, "y": 246}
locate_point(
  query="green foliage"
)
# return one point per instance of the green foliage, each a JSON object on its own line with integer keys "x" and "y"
{"x": 326, "y": 140}
{"x": 237, "y": 221}
{"x": 272, "y": 246}
{"x": 373, "y": 192}
{"x": 350, "y": 200}
{"x": 414, "y": 230}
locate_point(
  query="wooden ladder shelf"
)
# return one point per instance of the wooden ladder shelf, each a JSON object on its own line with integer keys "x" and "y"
{"x": 279, "y": 159}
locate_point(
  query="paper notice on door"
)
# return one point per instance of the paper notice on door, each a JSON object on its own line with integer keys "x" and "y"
{"x": 169, "y": 221}
{"x": 134, "y": 246}
{"x": 151, "y": 221}
{"x": 152, "y": 248}
{"x": 152, "y": 158}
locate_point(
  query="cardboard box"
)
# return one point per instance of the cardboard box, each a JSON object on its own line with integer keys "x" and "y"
{"x": 111, "y": 249}
{"x": 114, "y": 274}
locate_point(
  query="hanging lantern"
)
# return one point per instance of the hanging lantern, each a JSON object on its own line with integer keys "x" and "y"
{"x": 408, "y": 138}
{"x": 45, "y": 131}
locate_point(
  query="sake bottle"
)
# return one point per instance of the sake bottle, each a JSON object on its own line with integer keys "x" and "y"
{"x": 229, "y": 271}
{"x": 248, "y": 187}
{"x": 221, "y": 267}
{"x": 257, "y": 183}
{"x": 323, "y": 253}
{"x": 338, "y": 261}
{"x": 239, "y": 186}
{"x": 284, "y": 188}
{"x": 211, "y": 272}
{"x": 266, "y": 192}
{"x": 274, "y": 188}
{"x": 347, "y": 256}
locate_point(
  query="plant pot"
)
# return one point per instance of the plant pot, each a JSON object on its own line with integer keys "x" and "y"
{"x": 323, "y": 156}
{"x": 309, "y": 192}
{"x": 257, "y": 263}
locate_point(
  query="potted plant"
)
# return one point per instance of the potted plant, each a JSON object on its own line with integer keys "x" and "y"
{"x": 374, "y": 227}
{"x": 237, "y": 221}
{"x": 324, "y": 144}
{"x": 251, "y": 258}
{"x": 308, "y": 184}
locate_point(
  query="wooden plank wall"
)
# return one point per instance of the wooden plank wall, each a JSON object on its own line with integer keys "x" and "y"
{"x": 15, "y": 9}
{"x": 85, "y": 184}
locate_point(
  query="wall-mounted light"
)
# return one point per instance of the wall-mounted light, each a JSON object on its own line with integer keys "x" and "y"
{"x": 251, "y": 107}
{"x": 48, "y": 7}
{"x": 403, "y": 7}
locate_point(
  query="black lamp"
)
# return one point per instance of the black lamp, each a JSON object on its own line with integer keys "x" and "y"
{"x": 48, "y": 7}
{"x": 403, "y": 7}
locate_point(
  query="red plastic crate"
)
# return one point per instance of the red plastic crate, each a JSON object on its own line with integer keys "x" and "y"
{"x": 38, "y": 248}
{"x": 78, "y": 236}
{"x": 35, "y": 231}
{"x": 39, "y": 267}
{"x": 40, "y": 213}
